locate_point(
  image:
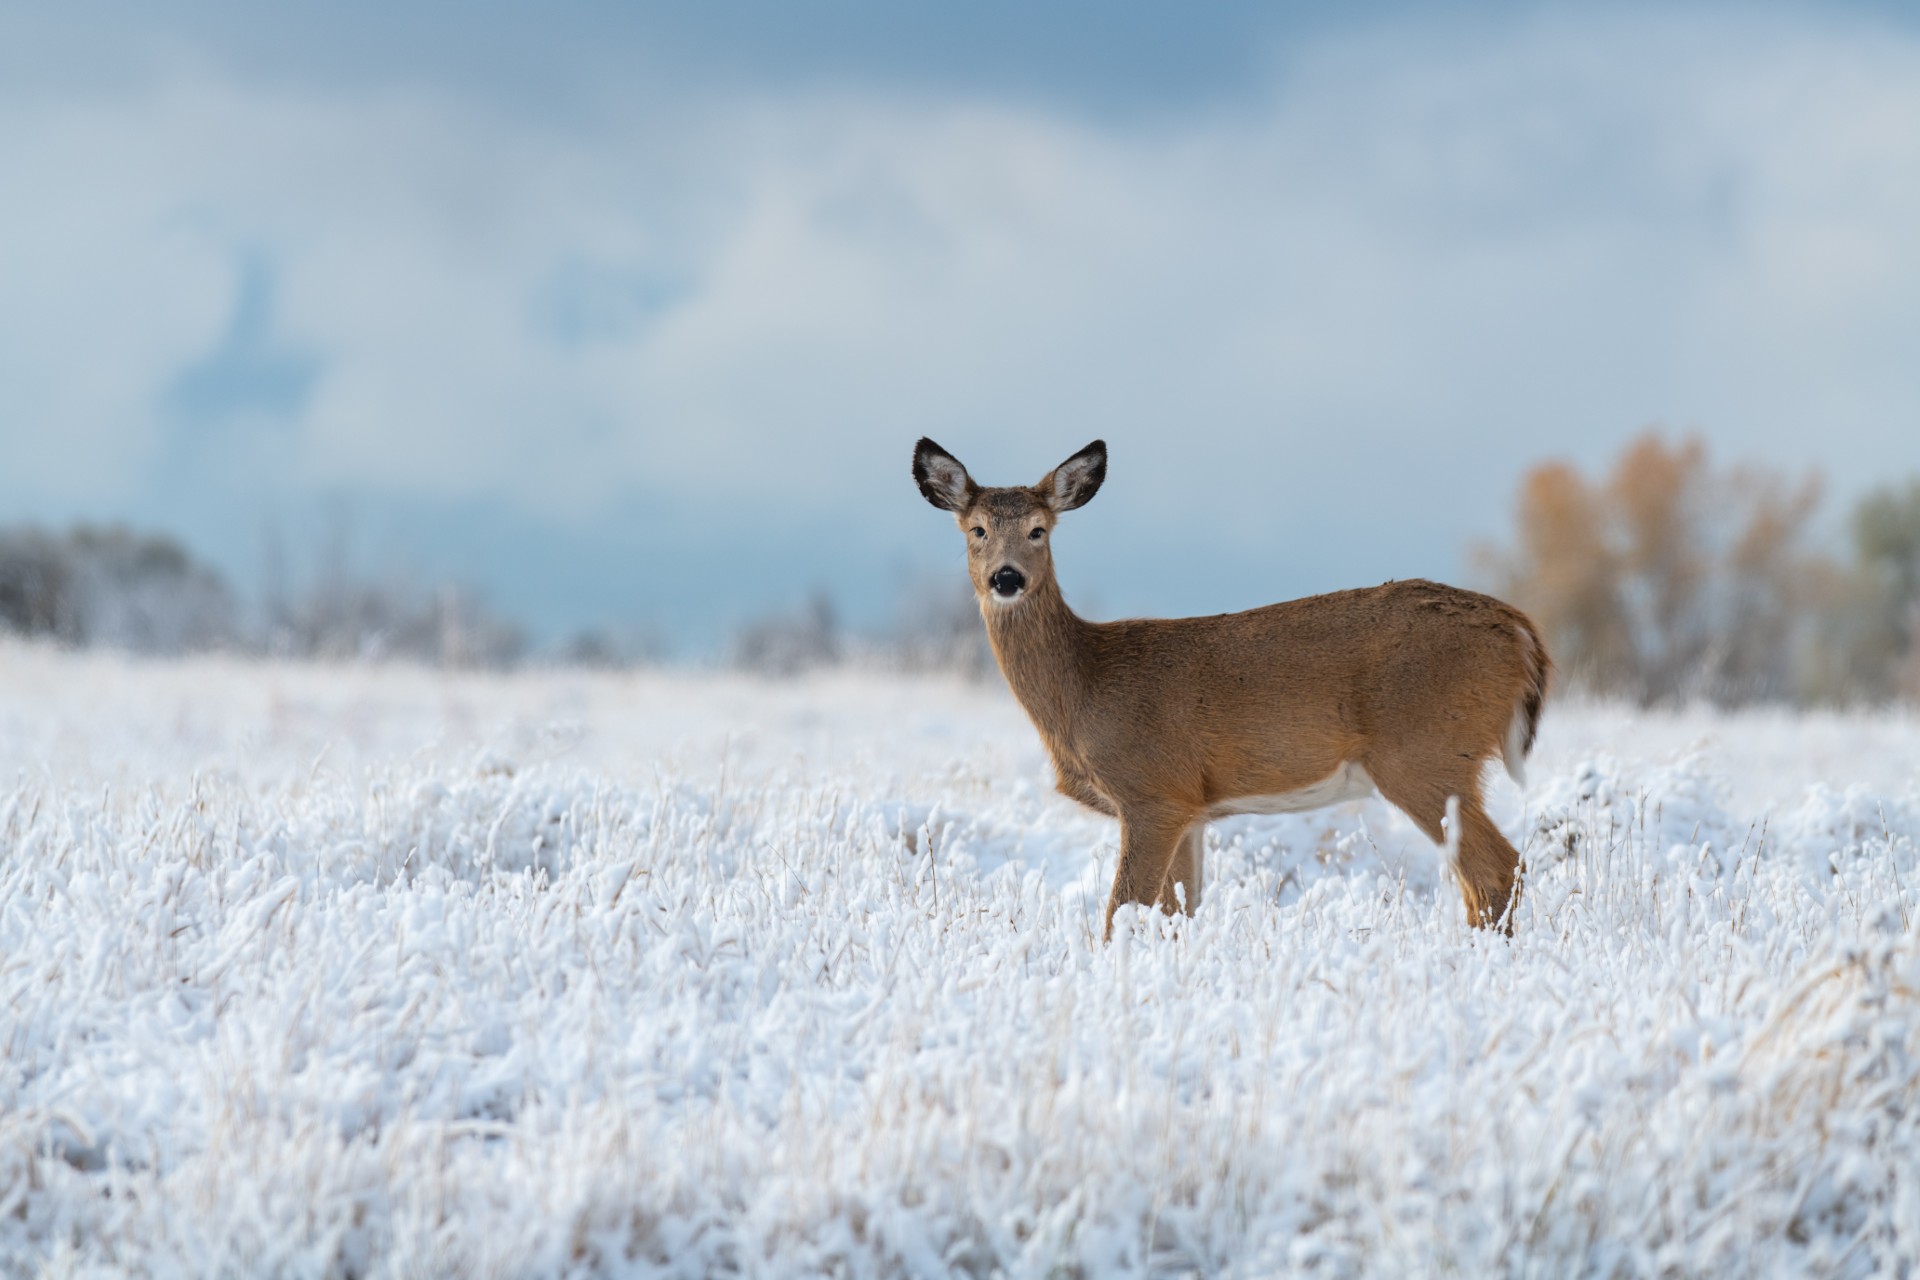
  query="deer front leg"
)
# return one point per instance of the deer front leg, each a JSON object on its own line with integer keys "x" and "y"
{"x": 1184, "y": 873}
{"x": 1149, "y": 837}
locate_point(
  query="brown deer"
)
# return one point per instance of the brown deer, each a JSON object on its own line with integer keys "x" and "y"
{"x": 1165, "y": 723}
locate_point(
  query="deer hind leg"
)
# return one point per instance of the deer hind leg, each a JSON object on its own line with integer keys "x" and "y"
{"x": 1184, "y": 872}
{"x": 1149, "y": 838}
{"x": 1487, "y": 865}
{"x": 1489, "y": 870}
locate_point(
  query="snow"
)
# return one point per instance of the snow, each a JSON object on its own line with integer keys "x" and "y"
{"x": 380, "y": 971}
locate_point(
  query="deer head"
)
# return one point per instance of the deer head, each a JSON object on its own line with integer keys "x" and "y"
{"x": 1009, "y": 531}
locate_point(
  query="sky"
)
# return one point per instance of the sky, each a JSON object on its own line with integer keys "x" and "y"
{"x": 629, "y": 315}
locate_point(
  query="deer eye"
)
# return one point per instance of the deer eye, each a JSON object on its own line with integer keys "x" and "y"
{"x": 978, "y": 532}
{"x": 1035, "y": 535}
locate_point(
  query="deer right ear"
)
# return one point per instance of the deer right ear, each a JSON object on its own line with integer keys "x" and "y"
{"x": 1074, "y": 482}
{"x": 942, "y": 480}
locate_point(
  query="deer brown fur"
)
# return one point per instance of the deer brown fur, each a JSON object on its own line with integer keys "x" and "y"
{"x": 1409, "y": 688}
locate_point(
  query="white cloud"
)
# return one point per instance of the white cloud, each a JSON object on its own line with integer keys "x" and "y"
{"x": 1424, "y": 259}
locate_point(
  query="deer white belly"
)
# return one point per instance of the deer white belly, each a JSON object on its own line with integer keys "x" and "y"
{"x": 1348, "y": 782}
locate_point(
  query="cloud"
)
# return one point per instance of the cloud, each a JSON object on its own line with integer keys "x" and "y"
{"x": 1329, "y": 320}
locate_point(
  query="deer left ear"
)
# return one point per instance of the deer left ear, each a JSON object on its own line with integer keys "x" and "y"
{"x": 942, "y": 480}
{"x": 1074, "y": 482}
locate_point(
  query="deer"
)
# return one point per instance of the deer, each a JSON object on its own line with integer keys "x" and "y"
{"x": 1406, "y": 690}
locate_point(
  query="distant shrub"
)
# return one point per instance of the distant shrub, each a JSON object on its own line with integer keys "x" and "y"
{"x": 115, "y": 588}
{"x": 784, "y": 644}
{"x": 111, "y": 587}
{"x": 340, "y": 618}
{"x": 938, "y": 628}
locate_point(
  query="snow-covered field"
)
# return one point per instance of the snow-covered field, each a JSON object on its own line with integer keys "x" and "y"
{"x": 383, "y": 972}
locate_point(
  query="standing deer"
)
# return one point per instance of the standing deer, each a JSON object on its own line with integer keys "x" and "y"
{"x": 1166, "y": 723}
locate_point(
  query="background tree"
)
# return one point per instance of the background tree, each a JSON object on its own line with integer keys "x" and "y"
{"x": 1667, "y": 579}
{"x": 1886, "y": 539}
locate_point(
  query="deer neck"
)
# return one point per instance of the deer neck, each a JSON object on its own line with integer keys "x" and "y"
{"x": 1041, "y": 647}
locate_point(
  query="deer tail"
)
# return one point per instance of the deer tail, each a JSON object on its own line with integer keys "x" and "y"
{"x": 1537, "y": 669}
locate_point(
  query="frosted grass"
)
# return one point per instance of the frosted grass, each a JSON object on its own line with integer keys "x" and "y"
{"x": 343, "y": 972}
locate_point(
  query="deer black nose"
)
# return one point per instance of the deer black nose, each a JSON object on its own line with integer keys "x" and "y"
{"x": 1008, "y": 581}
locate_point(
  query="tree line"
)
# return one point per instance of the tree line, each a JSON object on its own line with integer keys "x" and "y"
{"x": 1670, "y": 578}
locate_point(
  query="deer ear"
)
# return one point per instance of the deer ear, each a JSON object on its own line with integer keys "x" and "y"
{"x": 1074, "y": 482}
{"x": 942, "y": 480}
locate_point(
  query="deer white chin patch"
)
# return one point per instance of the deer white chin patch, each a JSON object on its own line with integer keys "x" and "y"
{"x": 1004, "y": 601}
